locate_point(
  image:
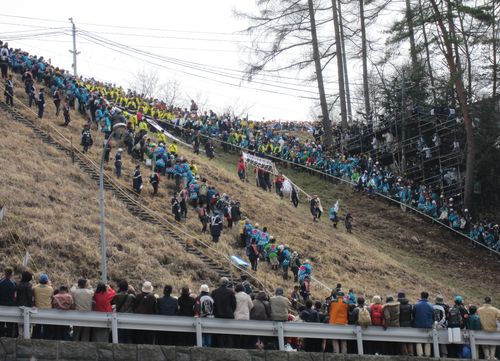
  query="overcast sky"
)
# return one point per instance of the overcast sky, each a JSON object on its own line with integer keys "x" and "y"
{"x": 196, "y": 31}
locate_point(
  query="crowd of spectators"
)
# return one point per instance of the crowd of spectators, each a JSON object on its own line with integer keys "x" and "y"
{"x": 240, "y": 301}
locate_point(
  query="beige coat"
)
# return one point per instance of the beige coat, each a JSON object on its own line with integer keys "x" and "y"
{"x": 279, "y": 308}
{"x": 488, "y": 315}
{"x": 243, "y": 306}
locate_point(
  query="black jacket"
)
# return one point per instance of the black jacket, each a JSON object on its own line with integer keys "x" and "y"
{"x": 186, "y": 306}
{"x": 405, "y": 313}
{"x": 224, "y": 302}
{"x": 167, "y": 305}
{"x": 24, "y": 294}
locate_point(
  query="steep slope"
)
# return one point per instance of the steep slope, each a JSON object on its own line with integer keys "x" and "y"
{"x": 52, "y": 212}
{"x": 387, "y": 252}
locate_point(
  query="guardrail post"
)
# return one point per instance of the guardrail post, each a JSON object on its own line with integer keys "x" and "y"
{"x": 281, "y": 337}
{"x": 473, "y": 348}
{"x": 435, "y": 342}
{"x": 199, "y": 332}
{"x": 114, "y": 328}
{"x": 26, "y": 323}
{"x": 359, "y": 340}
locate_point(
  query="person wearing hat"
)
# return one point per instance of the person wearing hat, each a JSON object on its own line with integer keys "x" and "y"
{"x": 145, "y": 303}
{"x": 216, "y": 225}
{"x": 279, "y": 306}
{"x": 42, "y": 295}
{"x": 204, "y": 307}
{"x": 9, "y": 91}
{"x": 118, "y": 163}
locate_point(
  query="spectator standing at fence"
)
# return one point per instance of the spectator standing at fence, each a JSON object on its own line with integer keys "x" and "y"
{"x": 309, "y": 314}
{"x": 224, "y": 307}
{"x": 458, "y": 317}
{"x": 204, "y": 308}
{"x": 83, "y": 295}
{"x": 145, "y": 303}
{"x": 424, "y": 318}
{"x": 187, "y": 309}
{"x": 440, "y": 316}
{"x": 338, "y": 311}
{"x": 7, "y": 298}
{"x": 167, "y": 306}
{"x": 489, "y": 317}
{"x": 406, "y": 319}
{"x": 391, "y": 319}
{"x": 24, "y": 295}
{"x": 42, "y": 293}
{"x": 62, "y": 301}
{"x": 279, "y": 306}
{"x": 103, "y": 296}
{"x": 123, "y": 302}
{"x": 244, "y": 306}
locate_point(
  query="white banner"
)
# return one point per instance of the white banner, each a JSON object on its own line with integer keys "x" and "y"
{"x": 259, "y": 162}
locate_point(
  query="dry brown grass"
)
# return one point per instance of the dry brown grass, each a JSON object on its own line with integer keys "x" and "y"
{"x": 387, "y": 252}
{"x": 52, "y": 211}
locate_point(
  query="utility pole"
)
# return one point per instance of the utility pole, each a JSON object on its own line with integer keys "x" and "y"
{"x": 74, "y": 52}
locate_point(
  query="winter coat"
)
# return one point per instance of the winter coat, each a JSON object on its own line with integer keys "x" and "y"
{"x": 279, "y": 308}
{"x": 186, "y": 305}
{"x": 167, "y": 305}
{"x": 424, "y": 314}
{"x": 243, "y": 306}
{"x": 405, "y": 313}
{"x": 339, "y": 312}
{"x": 391, "y": 314}
{"x": 83, "y": 298}
{"x": 224, "y": 302}
{"x": 24, "y": 294}
{"x": 261, "y": 309}
{"x": 488, "y": 316}
{"x": 124, "y": 302}
{"x": 145, "y": 303}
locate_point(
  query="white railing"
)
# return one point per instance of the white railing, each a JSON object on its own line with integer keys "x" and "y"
{"x": 116, "y": 321}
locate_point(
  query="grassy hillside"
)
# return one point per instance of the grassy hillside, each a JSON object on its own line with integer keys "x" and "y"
{"x": 52, "y": 212}
{"x": 388, "y": 251}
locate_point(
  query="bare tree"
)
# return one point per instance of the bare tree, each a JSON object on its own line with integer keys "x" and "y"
{"x": 146, "y": 82}
{"x": 171, "y": 92}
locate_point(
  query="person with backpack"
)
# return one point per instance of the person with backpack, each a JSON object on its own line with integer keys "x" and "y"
{"x": 253, "y": 254}
{"x": 474, "y": 325}
{"x": 176, "y": 208}
{"x": 203, "y": 217}
{"x": 360, "y": 315}
{"x": 118, "y": 163}
{"x": 57, "y": 101}
{"x": 424, "y": 318}
{"x": 338, "y": 311}
{"x": 4, "y": 60}
{"x": 405, "y": 320}
{"x": 204, "y": 308}
{"x": 458, "y": 317}
{"x": 137, "y": 179}
{"x": 440, "y": 317}
{"x": 86, "y": 140}
{"x": 40, "y": 102}
{"x": 489, "y": 317}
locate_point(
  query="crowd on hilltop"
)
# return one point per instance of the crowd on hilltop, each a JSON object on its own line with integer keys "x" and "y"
{"x": 268, "y": 139}
{"x": 241, "y": 302}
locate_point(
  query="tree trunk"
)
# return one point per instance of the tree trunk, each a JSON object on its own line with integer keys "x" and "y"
{"x": 340, "y": 66}
{"x": 364, "y": 55}
{"x": 344, "y": 60}
{"x": 411, "y": 33}
{"x": 467, "y": 51}
{"x": 327, "y": 125}
{"x": 455, "y": 73}
{"x": 427, "y": 54}
{"x": 494, "y": 48}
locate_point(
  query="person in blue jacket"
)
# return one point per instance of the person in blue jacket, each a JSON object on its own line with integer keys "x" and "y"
{"x": 424, "y": 318}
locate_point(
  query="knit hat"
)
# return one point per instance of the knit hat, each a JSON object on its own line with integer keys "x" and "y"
{"x": 44, "y": 278}
{"x": 459, "y": 299}
{"x": 401, "y": 295}
{"x": 147, "y": 287}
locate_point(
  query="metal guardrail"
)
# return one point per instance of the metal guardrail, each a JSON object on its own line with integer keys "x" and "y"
{"x": 115, "y": 321}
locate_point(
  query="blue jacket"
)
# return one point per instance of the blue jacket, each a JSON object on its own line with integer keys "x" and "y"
{"x": 424, "y": 314}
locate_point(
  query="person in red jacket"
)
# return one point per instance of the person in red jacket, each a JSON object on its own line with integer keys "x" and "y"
{"x": 241, "y": 169}
{"x": 102, "y": 303}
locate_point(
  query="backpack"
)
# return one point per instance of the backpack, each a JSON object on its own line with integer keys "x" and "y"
{"x": 438, "y": 315}
{"x": 364, "y": 318}
{"x": 377, "y": 315}
{"x": 455, "y": 317}
{"x": 206, "y": 306}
